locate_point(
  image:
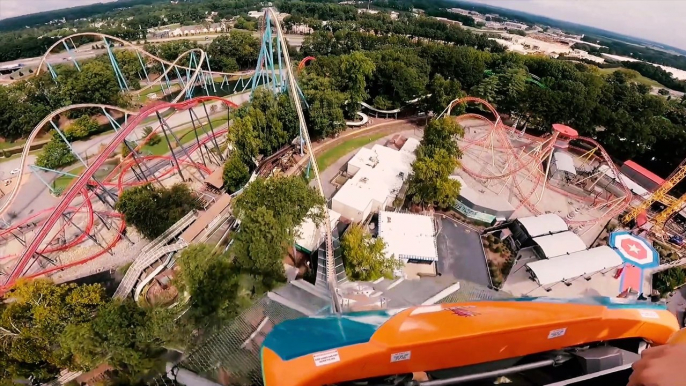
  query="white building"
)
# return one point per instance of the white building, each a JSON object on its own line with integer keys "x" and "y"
{"x": 377, "y": 176}
{"x": 411, "y": 239}
{"x": 310, "y": 236}
{"x": 569, "y": 267}
{"x": 513, "y": 25}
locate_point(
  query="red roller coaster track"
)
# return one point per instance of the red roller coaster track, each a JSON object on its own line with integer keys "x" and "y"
{"x": 79, "y": 187}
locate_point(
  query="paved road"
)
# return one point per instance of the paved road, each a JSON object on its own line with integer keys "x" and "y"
{"x": 460, "y": 254}
{"x": 86, "y": 52}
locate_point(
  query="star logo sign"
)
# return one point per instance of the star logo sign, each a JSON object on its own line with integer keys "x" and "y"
{"x": 634, "y": 249}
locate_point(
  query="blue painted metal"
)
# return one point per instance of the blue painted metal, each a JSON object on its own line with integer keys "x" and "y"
{"x": 145, "y": 71}
{"x": 178, "y": 75}
{"x": 166, "y": 76}
{"x": 76, "y": 64}
{"x": 324, "y": 333}
{"x": 68, "y": 144}
{"x": 36, "y": 167}
{"x": 52, "y": 71}
{"x": 115, "y": 125}
{"x": 46, "y": 183}
{"x": 117, "y": 72}
{"x": 207, "y": 61}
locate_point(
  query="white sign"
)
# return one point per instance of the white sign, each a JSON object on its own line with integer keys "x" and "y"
{"x": 557, "y": 333}
{"x": 649, "y": 314}
{"x": 326, "y": 358}
{"x": 400, "y": 356}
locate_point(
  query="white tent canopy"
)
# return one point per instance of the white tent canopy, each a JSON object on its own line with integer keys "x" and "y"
{"x": 544, "y": 224}
{"x": 564, "y": 162}
{"x": 560, "y": 244}
{"x": 552, "y": 271}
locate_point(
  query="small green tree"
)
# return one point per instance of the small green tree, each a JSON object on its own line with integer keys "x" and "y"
{"x": 81, "y": 128}
{"x": 236, "y": 173}
{"x": 33, "y": 316}
{"x": 364, "y": 255}
{"x": 210, "y": 280}
{"x": 153, "y": 210}
{"x": 55, "y": 154}
{"x": 430, "y": 182}
{"x": 260, "y": 245}
{"x": 154, "y": 138}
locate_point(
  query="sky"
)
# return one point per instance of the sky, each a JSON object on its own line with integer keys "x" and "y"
{"x": 657, "y": 20}
{"x": 11, "y": 8}
{"x": 661, "y": 21}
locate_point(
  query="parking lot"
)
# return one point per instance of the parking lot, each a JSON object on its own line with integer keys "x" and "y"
{"x": 460, "y": 254}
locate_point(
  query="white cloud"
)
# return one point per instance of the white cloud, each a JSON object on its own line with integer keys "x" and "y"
{"x": 657, "y": 20}
{"x": 11, "y": 8}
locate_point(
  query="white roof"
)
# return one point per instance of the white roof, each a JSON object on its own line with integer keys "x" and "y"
{"x": 376, "y": 180}
{"x": 564, "y": 162}
{"x": 551, "y": 271}
{"x": 634, "y": 187}
{"x": 364, "y": 157}
{"x": 408, "y": 235}
{"x": 309, "y": 236}
{"x": 544, "y": 224}
{"x": 559, "y": 244}
{"x": 487, "y": 199}
{"x": 410, "y": 145}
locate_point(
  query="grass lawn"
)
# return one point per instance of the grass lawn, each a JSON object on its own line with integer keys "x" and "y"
{"x": 640, "y": 79}
{"x": 332, "y": 155}
{"x": 61, "y": 182}
{"x": 185, "y": 136}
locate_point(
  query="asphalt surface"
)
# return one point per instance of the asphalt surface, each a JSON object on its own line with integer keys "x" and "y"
{"x": 460, "y": 254}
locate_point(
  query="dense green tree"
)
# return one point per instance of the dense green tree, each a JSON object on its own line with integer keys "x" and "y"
{"x": 440, "y": 92}
{"x": 236, "y": 173}
{"x": 210, "y": 280}
{"x": 289, "y": 198}
{"x": 81, "y": 128}
{"x": 55, "y": 154}
{"x": 152, "y": 210}
{"x": 245, "y": 140}
{"x": 364, "y": 256}
{"x": 120, "y": 335}
{"x": 260, "y": 246}
{"x": 442, "y": 134}
{"x": 95, "y": 83}
{"x": 430, "y": 182}
{"x": 400, "y": 76}
{"x": 237, "y": 50}
{"x": 153, "y": 138}
{"x": 354, "y": 71}
{"x": 32, "y": 322}
{"x": 487, "y": 89}
{"x": 325, "y": 114}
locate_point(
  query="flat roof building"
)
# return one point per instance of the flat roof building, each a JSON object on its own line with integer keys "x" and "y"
{"x": 484, "y": 202}
{"x": 310, "y": 236}
{"x": 525, "y": 229}
{"x": 410, "y": 238}
{"x": 558, "y": 244}
{"x": 641, "y": 175}
{"x": 568, "y": 267}
{"x": 378, "y": 174}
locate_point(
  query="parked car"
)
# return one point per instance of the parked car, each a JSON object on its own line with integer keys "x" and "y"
{"x": 676, "y": 240}
{"x": 15, "y": 171}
